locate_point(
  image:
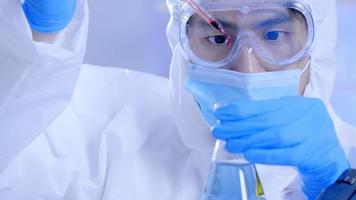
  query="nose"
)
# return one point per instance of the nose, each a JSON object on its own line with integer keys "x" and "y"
{"x": 246, "y": 60}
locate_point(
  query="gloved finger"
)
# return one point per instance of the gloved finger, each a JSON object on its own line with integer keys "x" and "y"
{"x": 290, "y": 107}
{"x": 288, "y": 117}
{"x": 291, "y": 156}
{"x": 228, "y": 130}
{"x": 285, "y": 117}
{"x": 247, "y": 109}
{"x": 240, "y": 145}
{"x": 270, "y": 139}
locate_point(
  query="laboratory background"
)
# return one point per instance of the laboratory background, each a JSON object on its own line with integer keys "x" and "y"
{"x": 131, "y": 34}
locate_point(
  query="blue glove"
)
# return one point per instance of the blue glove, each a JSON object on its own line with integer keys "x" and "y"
{"x": 49, "y": 15}
{"x": 293, "y": 131}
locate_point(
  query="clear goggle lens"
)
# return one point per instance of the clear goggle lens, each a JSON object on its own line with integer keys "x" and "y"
{"x": 279, "y": 36}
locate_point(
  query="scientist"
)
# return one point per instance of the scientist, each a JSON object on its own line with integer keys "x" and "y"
{"x": 130, "y": 135}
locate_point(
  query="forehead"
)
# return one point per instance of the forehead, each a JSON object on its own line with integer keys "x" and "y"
{"x": 234, "y": 1}
{"x": 260, "y": 17}
{"x": 263, "y": 3}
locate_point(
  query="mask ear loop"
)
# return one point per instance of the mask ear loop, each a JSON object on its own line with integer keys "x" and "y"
{"x": 305, "y": 68}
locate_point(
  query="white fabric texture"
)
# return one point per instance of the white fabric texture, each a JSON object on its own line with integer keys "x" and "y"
{"x": 115, "y": 140}
{"x": 37, "y": 79}
{"x": 128, "y": 135}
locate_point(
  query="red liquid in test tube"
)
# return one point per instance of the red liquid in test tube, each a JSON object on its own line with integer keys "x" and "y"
{"x": 209, "y": 19}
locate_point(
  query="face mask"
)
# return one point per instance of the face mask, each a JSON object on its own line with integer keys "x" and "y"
{"x": 214, "y": 87}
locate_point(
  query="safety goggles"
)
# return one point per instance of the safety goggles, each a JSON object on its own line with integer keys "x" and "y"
{"x": 278, "y": 32}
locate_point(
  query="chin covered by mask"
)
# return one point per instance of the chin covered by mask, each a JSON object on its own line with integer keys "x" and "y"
{"x": 213, "y": 88}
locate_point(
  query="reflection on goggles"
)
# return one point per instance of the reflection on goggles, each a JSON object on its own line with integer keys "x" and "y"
{"x": 277, "y": 35}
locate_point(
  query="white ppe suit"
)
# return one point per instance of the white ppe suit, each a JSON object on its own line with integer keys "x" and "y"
{"x": 37, "y": 79}
{"x": 129, "y": 135}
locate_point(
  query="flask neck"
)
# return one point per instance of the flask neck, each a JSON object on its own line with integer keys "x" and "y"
{"x": 221, "y": 155}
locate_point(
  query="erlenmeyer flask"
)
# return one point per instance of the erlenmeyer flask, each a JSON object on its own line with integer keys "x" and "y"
{"x": 232, "y": 177}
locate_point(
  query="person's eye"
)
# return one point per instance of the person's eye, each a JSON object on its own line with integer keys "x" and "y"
{"x": 218, "y": 40}
{"x": 274, "y": 35}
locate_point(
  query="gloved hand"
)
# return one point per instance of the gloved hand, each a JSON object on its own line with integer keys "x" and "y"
{"x": 49, "y": 15}
{"x": 293, "y": 131}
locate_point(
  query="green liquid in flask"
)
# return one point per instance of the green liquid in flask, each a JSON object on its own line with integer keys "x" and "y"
{"x": 233, "y": 181}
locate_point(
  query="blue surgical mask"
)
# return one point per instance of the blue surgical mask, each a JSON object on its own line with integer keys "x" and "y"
{"x": 213, "y": 87}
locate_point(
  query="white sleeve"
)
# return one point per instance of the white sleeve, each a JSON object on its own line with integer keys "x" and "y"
{"x": 352, "y": 156}
{"x": 349, "y": 144}
{"x": 37, "y": 79}
{"x": 294, "y": 191}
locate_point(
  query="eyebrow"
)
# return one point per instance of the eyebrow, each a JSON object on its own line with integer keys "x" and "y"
{"x": 279, "y": 19}
{"x": 225, "y": 24}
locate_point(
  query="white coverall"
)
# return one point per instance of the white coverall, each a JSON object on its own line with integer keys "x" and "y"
{"x": 130, "y": 136}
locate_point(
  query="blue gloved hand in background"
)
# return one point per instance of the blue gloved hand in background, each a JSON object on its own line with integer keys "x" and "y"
{"x": 293, "y": 131}
{"x": 49, "y": 15}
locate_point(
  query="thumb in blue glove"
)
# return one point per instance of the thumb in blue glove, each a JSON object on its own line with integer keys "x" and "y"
{"x": 292, "y": 131}
{"x": 49, "y": 15}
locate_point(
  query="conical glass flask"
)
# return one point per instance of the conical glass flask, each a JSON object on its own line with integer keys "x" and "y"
{"x": 232, "y": 177}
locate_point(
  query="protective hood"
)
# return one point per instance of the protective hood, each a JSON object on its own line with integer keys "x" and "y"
{"x": 37, "y": 79}
{"x": 192, "y": 128}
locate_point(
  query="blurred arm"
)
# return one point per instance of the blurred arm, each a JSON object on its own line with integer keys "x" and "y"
{"x": 44, "y": 37}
